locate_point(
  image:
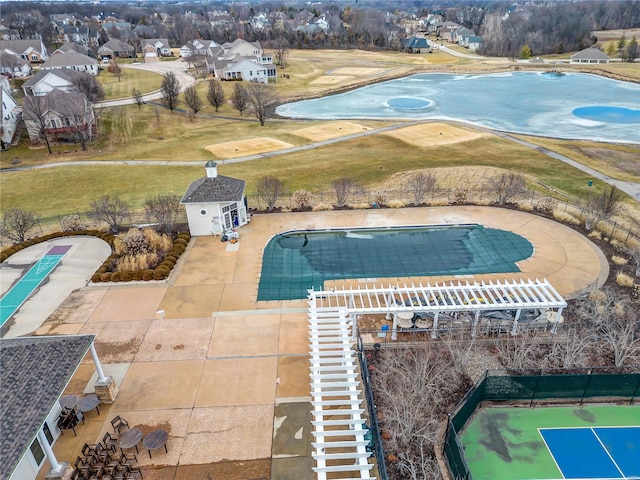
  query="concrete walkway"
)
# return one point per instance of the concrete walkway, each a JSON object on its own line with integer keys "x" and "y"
{"x": 227, "y": 376}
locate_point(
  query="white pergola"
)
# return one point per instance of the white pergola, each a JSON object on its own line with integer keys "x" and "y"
{"x": 446, "y": 299}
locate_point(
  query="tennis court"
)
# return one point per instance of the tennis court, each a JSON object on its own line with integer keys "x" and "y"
{"x": 548, "y": 443}
{"x": 13, "y": 299}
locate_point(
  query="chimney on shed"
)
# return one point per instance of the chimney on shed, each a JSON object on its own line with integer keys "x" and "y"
{"x": 211, "y": 168}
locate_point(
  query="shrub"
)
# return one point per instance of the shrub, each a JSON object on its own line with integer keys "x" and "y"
{"x": 147, "y": 275}
{"x": 624, "y": 280}
{"x": 126, "y": 276}
{"x": 397, "y": 203}
{"x": 619, "y": 260}
{"x": 96, "y": 277}
{"x": 136, "y": 275}
{"x": 302, "y": 199}
{"x": 180, "y": 241}
{"x": 461, "y": 194}
{"x": 546, "y": 205}
{"x": 565, "y": 217}
{"x": 71, "y": 223}
{"x": 618, "y": 246}
{"x": 178, "y": 249}
{"x": 595, "y": 234}
{"x": 380, "y": 198}
{"x": 362, "y": 206}
{"x": 105, "y": 277}
{"x": 321, "y": 207}
{"x": 160, "y": 273}
{"x": 525, "y": 207}
{"x": 156, "y": 241}
{"x": 116, "y": 276}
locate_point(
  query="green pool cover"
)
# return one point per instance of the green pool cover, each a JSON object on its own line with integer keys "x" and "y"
{"x": 296, "y": 261}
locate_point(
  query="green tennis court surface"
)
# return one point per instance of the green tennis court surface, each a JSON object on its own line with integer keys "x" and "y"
{"x": 296, "y": 261}
{"x": 548, "y": 443}
{"x": 13, "y": 299}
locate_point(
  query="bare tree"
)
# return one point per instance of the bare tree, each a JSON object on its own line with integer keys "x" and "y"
{"x": 110, "y": 210}
{"x": 17, "y": 223}
{"x": 518, "y": 351}
{"x": 572, "y": 349}
{"x": 192, "y": 99}
{"x": 35, "y": 111}
{"x": 343, "y": 187}
{"x": 507, "y": 186}
{"x": 115, "y": 70}
{"x": 419, "y": 184}
{"x": 215, "y": 94}
{"x": 164, "y": 209}
{"x": 239, "y": 98}
{"x": 137, "y": 96}
{"x": 170, "y": 90}
{"x": 596, "y": 208}
{"x": 90, "y": 86}
{"x": 621, "y": 334}
{"x": 269, "y": 189}
{"x": 263, "y": 100}
{"x": 281, "y": 51}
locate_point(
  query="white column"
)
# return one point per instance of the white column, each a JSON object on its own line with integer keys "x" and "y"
{"x": 96, "y": 361}
{"x": 55, "y": 466}
{"x": 514, "y": 330}
{"x": 394, "y": 329}
{"x": 434, "y": 333}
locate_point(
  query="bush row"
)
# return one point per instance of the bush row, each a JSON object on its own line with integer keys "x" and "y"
{"x": 7, "y": 252}
{"x": 106, "y": 274}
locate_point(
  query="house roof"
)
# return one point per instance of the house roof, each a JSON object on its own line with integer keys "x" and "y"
{"x": 590, "y": 53}
{"x": 214, "y": 189}
{"x": 72, "y": 47}
{"x": 21, "y": 46}
{"x": 69, "y": 60}
{"x": 153, "y": 41}
{"x": 415, "y": 42}
{"x": 35, "y": 372}
{"x": 11, "y": 61}
{"x": 115, "y": 45}
{"x": 65, "y": 74}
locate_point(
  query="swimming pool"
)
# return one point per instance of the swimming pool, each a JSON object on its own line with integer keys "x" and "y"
{"x": 13, "y": 299}
{"x": 298, "y": 260}
{"x": 571, "y": 105}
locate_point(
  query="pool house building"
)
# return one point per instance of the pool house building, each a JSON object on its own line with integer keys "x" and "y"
{"x": 215, "y": 203}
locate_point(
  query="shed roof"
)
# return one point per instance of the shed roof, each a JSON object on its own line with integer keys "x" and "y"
{"x": 35, "y": 372}
{"x": 69, "y": 59}
{"x": 214, "y": 189}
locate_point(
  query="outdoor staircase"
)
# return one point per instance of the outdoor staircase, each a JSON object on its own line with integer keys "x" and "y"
{"x": 340, "y": 446}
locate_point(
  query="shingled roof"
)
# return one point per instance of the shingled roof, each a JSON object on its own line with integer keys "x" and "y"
{"x": 214, "y": 189}
{"x": 35, "y": 372}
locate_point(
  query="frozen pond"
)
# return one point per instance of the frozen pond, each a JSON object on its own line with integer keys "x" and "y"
{"x": 573, "y": 105}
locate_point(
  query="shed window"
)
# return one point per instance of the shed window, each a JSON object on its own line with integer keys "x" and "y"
{"x": 203, "y": 212}
{"x": 37, "y": 452}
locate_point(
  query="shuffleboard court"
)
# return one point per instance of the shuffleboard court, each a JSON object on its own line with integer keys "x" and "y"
{"x": 13, "y": 299}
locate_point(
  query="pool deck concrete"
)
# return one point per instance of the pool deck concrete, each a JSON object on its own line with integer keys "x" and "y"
{"x": 227, "y": 376}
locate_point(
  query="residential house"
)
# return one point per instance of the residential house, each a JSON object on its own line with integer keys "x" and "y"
{"x": 416, "y": 45}
{"x": 45, "y": 81}
{"x": 14, "y": 66}
{"x": 72, "y": 61}
{"x": 81, "y": 35}
{"x": 155, "y": 48}
{"x": 66, "y": 116}
{"x": 242, "y": 60}
{"x": 241, "y": 69}
{"x": 35, "y": 372}
{"x": 72, "y": 47}
{"x": 590, "y": 55}
{"x": 9, "y": 114}
{"x": 243, "y": 48}
{"x": 32, "y": 51}
{"x": 198, "y": 47}
{"x": 472, "y": 42}
{"x": 110, "y": 24}
{"x": 116, "y": 49}
{"x": 459, "y": 35}
{"x": 215, "y": 203}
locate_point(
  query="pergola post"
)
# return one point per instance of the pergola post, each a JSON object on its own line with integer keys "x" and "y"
{"x": 476, "y": 320}
{"x": 434, "y": 333}
{"x": 554, "y": 329}
{"x": 96, "y": 361}
{"x": 394, "y": 329}
{"x": 354, "y": 326}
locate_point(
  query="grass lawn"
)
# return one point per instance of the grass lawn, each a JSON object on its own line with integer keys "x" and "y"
{"x": 153, "y": 133}
{"x": 130, "y": 78}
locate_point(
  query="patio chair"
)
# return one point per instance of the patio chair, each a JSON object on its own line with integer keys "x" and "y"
{"x": 119, "y": 424}
{"x": 109, "y": 442}
{"x": 424, "y": 322}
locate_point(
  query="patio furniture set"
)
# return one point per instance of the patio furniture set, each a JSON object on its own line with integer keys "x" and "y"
{"x": 102, "y": 461}
{"x": 73, "y": 410}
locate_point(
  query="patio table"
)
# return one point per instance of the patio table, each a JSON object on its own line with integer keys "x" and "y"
{"x": 156, "y": 439}
{"x": 130, "y": 438}
{"x": 89, "y": 402}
